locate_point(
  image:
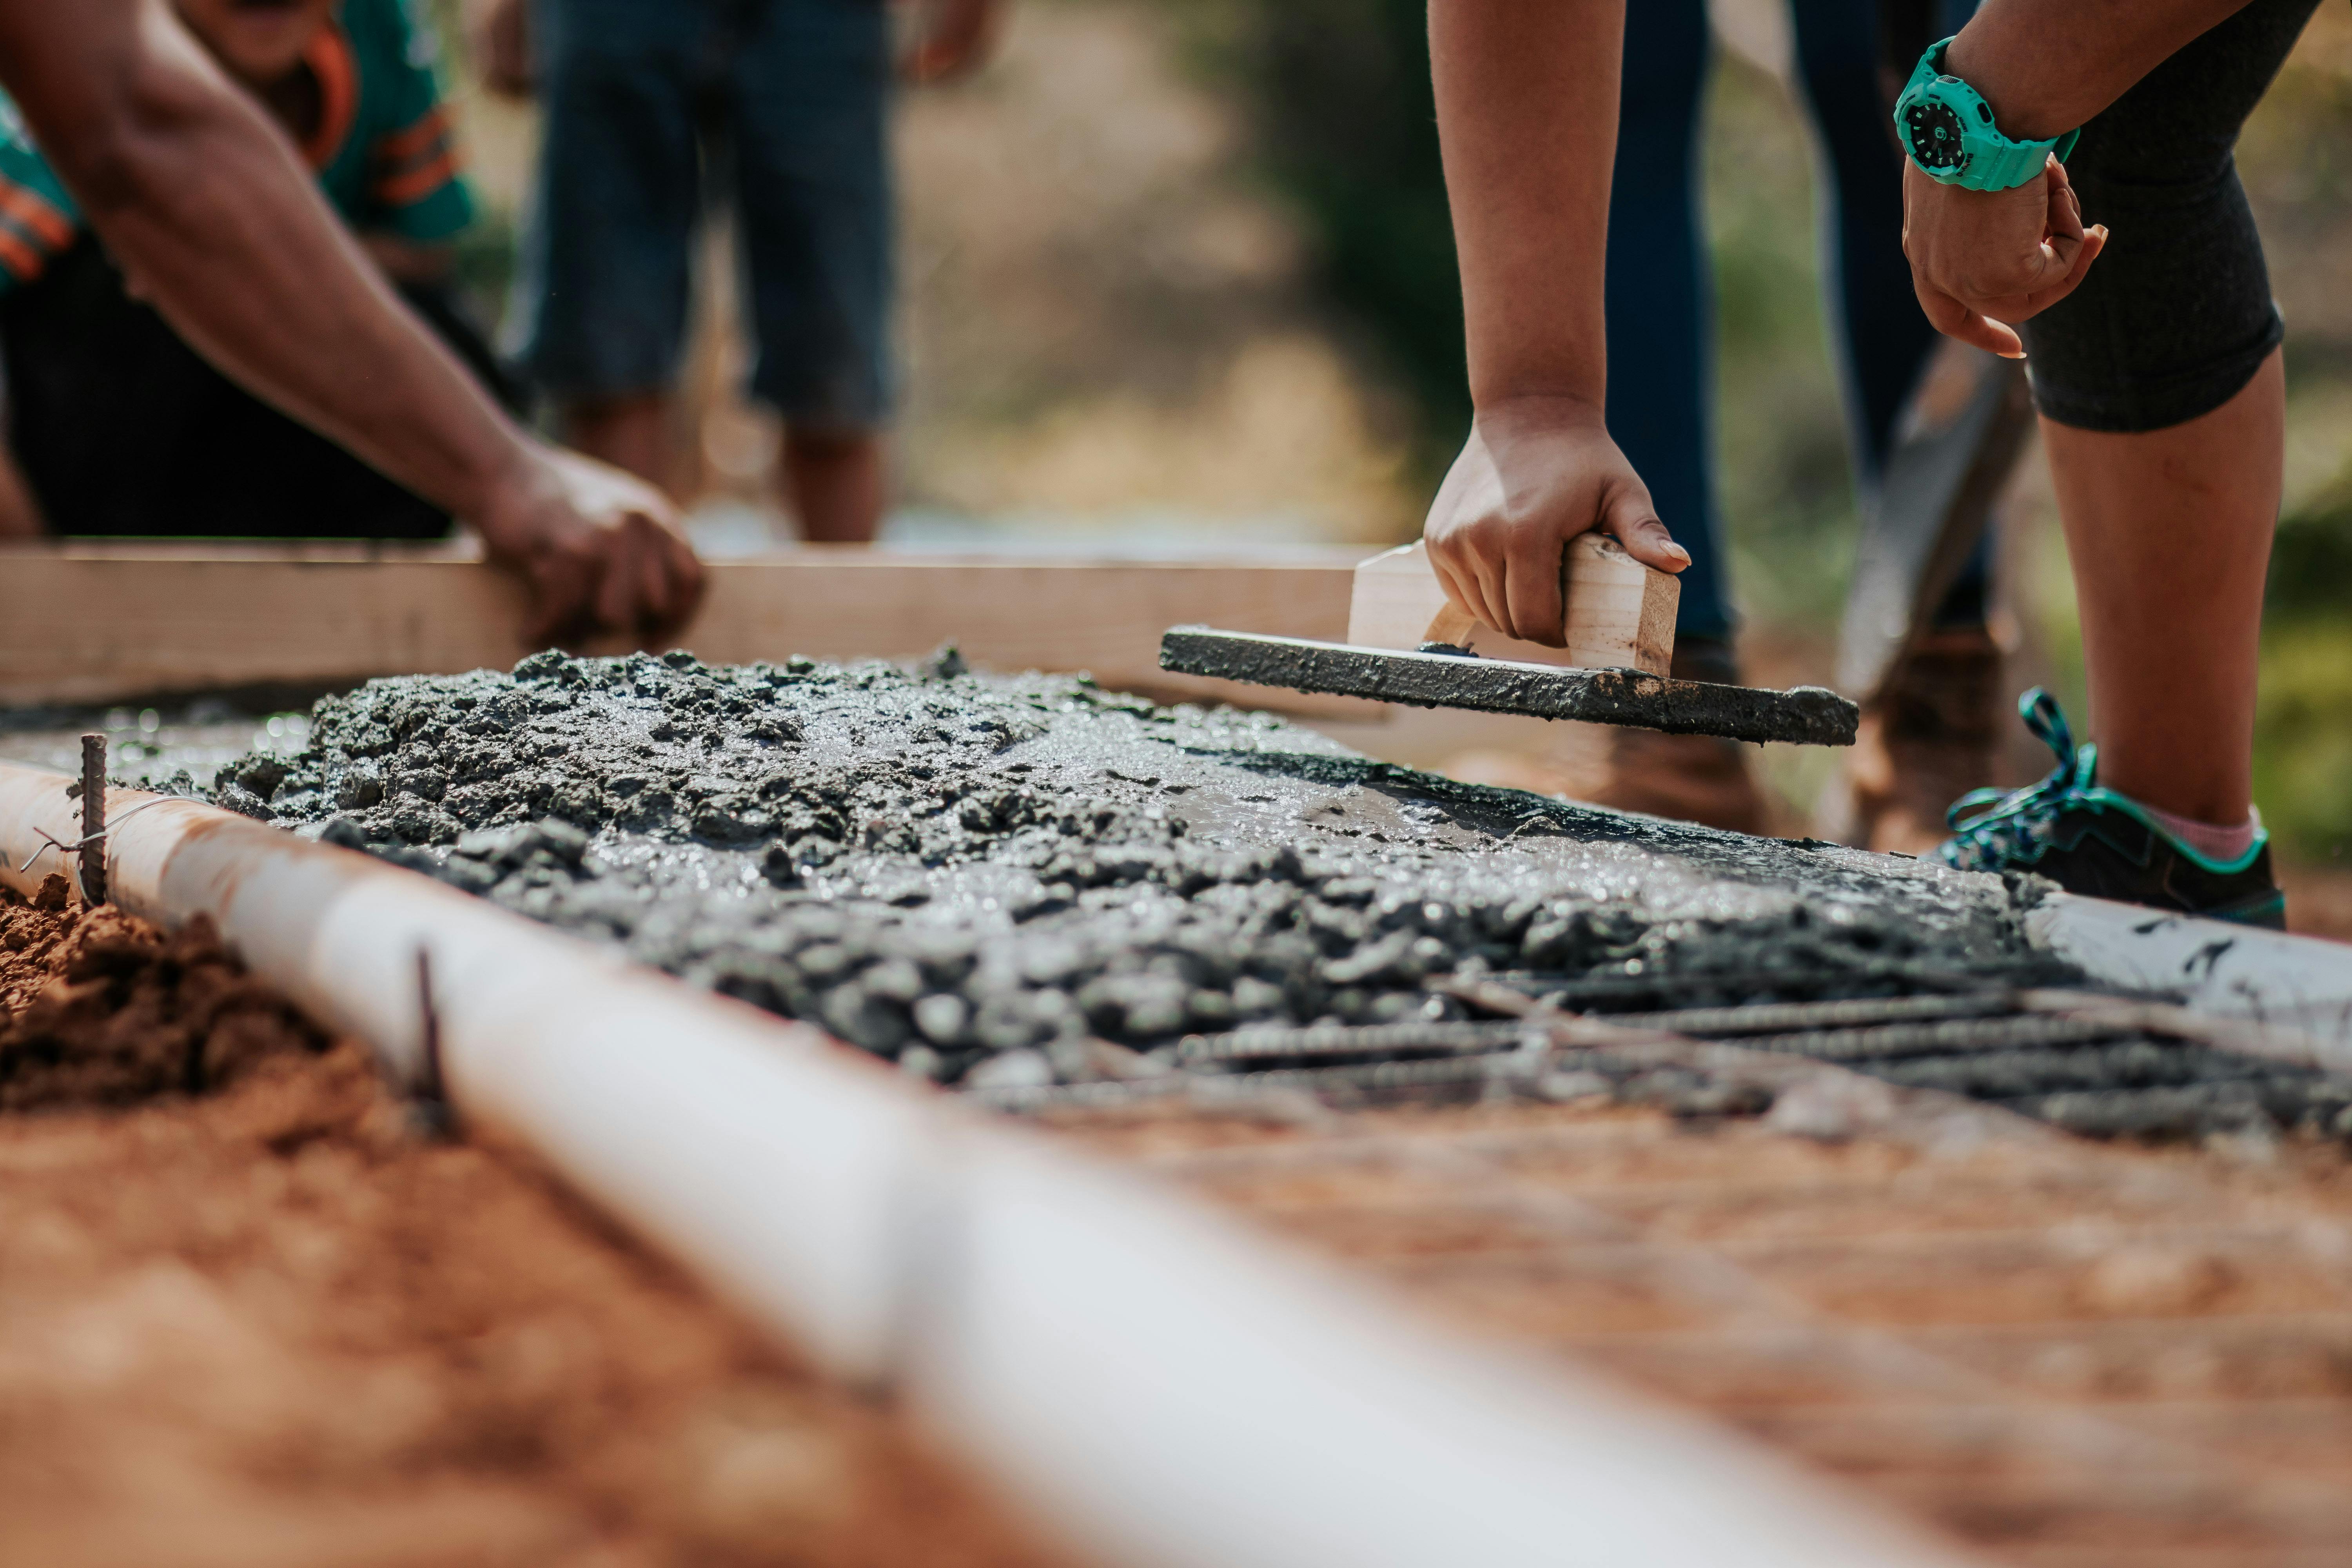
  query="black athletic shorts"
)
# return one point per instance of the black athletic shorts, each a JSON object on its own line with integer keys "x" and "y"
{"x": 123, "y": 429}
{"x": 2176, "y": 315}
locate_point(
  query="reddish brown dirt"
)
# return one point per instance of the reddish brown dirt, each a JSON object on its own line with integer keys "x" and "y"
{"x": 101, "y": 1008}
{"x": 2056, "y": 1350}
{"x": 272, "y": 1324}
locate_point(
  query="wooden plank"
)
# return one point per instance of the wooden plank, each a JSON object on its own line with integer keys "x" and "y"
{"x": 104, "y": 623}
{"x": 1618, "y": 614}
{"x": 1958, "y": 445}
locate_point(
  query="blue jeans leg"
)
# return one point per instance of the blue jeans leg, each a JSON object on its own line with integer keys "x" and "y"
{"x": 1883, "y": 341}
{"x": 1660, "y": 297}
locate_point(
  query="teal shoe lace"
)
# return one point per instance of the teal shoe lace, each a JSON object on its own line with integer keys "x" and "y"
{"x": 1994, "y": 829}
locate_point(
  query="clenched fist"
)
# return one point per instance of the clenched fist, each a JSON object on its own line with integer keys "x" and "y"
{"x": 1535, "y": 473}
{"x": 1982, "y": 261}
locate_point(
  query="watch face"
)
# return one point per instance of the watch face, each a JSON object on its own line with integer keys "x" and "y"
{"x": 1933, "y": 129}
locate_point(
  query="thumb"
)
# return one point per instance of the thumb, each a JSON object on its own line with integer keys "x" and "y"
{"x": 1634, "y": 520}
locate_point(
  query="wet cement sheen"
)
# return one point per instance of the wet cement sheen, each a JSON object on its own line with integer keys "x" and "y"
{"x": 950, "y": 867}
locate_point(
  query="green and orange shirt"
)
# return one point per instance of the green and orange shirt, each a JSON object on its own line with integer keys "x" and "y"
{"x": 383, "y": 152}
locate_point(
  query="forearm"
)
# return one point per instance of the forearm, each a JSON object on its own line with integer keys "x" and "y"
{"x": 215, "y": 222}
{"x": 2048, "y": 68}
{"x": 1526, "y": 116}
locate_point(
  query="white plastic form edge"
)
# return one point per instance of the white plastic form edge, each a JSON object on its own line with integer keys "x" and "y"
{"x": 2300, "y": 984}
{"x": 1155, "y": 1383}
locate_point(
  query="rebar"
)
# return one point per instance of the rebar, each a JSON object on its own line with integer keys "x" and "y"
{"x": 93, "y": 819}
{"x": 1772, "y": 1017}
{"x": 1350, "y": 1039}
{"x": 1951, "y": 1036}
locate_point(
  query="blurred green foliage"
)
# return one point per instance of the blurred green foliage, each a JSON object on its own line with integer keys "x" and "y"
{"x": 1783, "y": 475}
{"x": 2302, "y": 725}
{"x": 1345, "y": 126}
{"x": 2296, "y": 160}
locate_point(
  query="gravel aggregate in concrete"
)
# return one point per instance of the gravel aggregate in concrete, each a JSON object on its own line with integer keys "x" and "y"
{"x": 944, "y": 867}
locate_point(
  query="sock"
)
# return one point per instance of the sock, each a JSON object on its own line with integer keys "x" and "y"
{"x": 2219, "y": 844}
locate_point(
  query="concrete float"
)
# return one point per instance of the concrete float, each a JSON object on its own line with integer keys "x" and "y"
{"x": 1154, "y": 1382}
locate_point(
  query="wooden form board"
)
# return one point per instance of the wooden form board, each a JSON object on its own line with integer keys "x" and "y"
{"x": 1618, "y": 614}
{"x": 101, "y": 623}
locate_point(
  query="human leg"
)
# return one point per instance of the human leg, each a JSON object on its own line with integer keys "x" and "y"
{"x": 601, "y": 293}
{"x": 1660, "y": 313}
{"x": 1882, "y": 341}
{"x": 2170, "y": 532}
{"x": 631, "y": 431}
{"x": 2162, "y": 399}
{"x": 1932, "y": 734}
{"x": 835, "y": 483}
{"x": 2163, "y": 409}
{"x": 1660, "y": 298}
{"x": 807, "y": 105}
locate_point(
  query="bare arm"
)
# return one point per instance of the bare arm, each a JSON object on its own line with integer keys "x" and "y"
{"x": 1526, "y": 116}
{"x": 215, "y": 221}
{"x": 2046, "y": 68}
{"x": 1982, "y": 261}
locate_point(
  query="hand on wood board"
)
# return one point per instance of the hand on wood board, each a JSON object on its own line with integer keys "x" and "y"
{"x": 1536, "y": 473}
{"x": 600, "y": 550}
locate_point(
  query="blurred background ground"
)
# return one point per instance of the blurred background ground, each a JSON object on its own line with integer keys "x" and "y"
{"x": 1176, "y": 277}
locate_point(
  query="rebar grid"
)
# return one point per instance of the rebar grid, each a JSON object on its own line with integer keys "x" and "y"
{"x": 2058, "y": 1350}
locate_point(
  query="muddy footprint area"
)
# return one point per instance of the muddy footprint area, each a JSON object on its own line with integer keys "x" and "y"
{"x": 252, "y": 1314}
{"x": 988, "y": 878}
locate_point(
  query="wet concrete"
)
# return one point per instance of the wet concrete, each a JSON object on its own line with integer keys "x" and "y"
{"x": 984, "y": 876}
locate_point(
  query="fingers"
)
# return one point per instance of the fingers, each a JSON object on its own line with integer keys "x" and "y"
{"x": 2093, "y": 241}
{"x": 1531, "y": 604}
{"x": 1487, "y": 579}
{"x": 1982, "y": 261}
{"x": 663, "y": 598}
{"x": 684, "y": 575}
{"x": 1954, "y": 320}
{"x": 561, "y": 583}
{"x": 2066, "y": 207}
{"x": 619, "y": 586}
{"x": 1459, "y": 587}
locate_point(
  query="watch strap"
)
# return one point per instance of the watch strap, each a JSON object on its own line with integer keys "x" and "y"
{"x": 1995, "y": 161}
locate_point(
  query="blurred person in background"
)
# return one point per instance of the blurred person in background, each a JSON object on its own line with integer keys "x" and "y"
{"x": 1935, "y": 736}
{"x": 204, "y": 205}
{"x": 660, "y": 111}
{"x": 118, "y": 426}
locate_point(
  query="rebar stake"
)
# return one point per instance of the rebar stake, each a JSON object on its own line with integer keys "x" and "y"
{"x": 93, "y": 820}
{"x": 429, "y": 1110}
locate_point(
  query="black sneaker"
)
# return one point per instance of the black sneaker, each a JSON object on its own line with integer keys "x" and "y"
{"x": 2089, "y": 839}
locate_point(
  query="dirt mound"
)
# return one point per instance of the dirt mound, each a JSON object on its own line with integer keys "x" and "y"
{"x": 275, "y": 1327}
{"x": 104, "y": 1008}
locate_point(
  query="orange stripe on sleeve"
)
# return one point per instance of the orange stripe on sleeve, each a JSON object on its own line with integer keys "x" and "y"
{"x": 23, "y": 262}
{"x": 38, "y": 214}
{"x": 432, "y": 152}
{"x": 417, "y": 184}
{"x": 404, "y": 144}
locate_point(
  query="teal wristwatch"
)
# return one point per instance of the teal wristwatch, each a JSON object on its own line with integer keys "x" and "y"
{"x": 1947, "y": 128}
